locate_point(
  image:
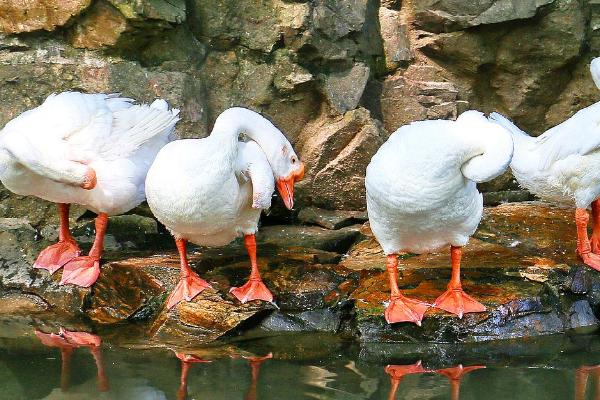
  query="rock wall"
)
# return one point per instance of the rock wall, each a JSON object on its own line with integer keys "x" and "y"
{"x": 338, "y": 76}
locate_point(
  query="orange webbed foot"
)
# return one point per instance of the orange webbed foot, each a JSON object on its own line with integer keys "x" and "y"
{"x": 456, "y": 301}
{"x": 404, "y": 309}
{"x": 54, "y": 257}
{"x": 80, "y": 338}
{"x": 592, "y": 260}
{"x": 81, "y": 271}
{"x": 456, "y": 373}
{"x": 399, "y": 371}
{"x": 187, "y": 288}
{"x": 254, "y": 289}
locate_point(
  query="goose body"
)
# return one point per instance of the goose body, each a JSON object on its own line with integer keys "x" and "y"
{"x": 89, "y": 149}
{"x": 422, "y": 195}
{"x": 210, "y": 191}
{"x": 561, "y": 166}
{"x": 210, "y": 196}
{"x": 45, "y": 152}
{"x": 421, "y": 184}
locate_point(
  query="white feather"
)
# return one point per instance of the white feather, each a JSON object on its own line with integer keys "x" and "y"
{"x": 418, "y": 196}
{"x": 561, "y": 165}
{"x": 211, "y": 190}
{"x": 595, "y": 71}
{"x": 46, "y": 151}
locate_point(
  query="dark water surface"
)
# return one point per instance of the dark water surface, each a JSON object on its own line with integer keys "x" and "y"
{"x": 308, "y": 366}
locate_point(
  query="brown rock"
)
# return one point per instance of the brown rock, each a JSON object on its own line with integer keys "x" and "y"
{"x": 344, "y": 89}
{"x": 172, "y": 11}
{"x": 204, "y": 319}
{"x": 19, "y": 248}
{"x": 39, "y": 213}
{"x": 531, "y": 63}
{"x": 338, "y": 19}
{"x": 418, "y": 93}
{"x": 30, "y": 15}
{"x": 48, "y": 69}
{"x": 289, "y": 75}
{"x": 102, "y": 26}
{"x": 335, "y": 166}
{"x": 506, "y": 196}
{"x": 281, "y": 91}
{"x": 396, "y": 42}
{"x": 125, "y": 290}
{"x": 579, "y": 93}
{"x": 312, "y": 237}
{"x": 449, "y": 15}
{"x": 330, "y": 219}
{"x": 463, "y": 50}
{"x": 292, "y": 114}
{"x": 517, "y": 247}
{"x": 21, "y": 303}
{"x": 257, "y": 26}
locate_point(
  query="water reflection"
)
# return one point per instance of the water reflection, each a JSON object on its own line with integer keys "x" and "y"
{"x": 398, "y": 372}
{"x": 255, "y": 363}
{"x": 582, "y": 375}
{"x": 67, "y": 342}
{"x": 455, "y": 375}
{"x": 304, "y": 368}
{"x": 186, "y": 362}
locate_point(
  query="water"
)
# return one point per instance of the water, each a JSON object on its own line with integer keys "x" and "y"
{"x": 308, "y": 366}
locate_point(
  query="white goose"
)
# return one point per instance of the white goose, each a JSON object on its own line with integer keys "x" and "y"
{"x": 210, "y": 191}
{"x": 89, "y": 149}
{"x": 421, "y": 195}
{"x": 562, "y": 166}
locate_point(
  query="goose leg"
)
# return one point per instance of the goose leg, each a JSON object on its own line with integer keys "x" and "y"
{"x": 584, "y": 248}
{"x": 255, "y": 363}
{"x": 190, "y": 284}
{"x": 66, "y": 350}
{"x": 401, "y": 308}
{"x": 455, "y": 375}
{"x": 455, "y": 300}
{"x": 182, "y": 392}
{"x": 102, "y": 379}
{"x": 84, "y": 270}
{"x": 398, "y": 372}
{"x": 186, "y": 363}
{"x": 57, "y": 255}
{"x": 581, "y": 378}
{"x": 254, "y": 289}
{"x": 595, "y": 240}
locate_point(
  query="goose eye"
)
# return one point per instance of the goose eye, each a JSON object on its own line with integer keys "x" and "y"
{"x": 293, "y": 160}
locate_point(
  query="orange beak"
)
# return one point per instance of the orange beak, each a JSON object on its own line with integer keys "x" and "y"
{"x": 285, "y": 187}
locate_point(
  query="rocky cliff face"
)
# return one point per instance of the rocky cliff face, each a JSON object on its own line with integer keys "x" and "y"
{"x": 338, "y": 76}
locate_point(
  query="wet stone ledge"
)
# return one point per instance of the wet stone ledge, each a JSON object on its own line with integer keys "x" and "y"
{"x": 521, "y": 264}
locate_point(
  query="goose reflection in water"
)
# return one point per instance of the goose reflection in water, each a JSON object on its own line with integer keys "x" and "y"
{"x": 582, "y": 375}
{"x": 67, "y": 342}
{"x": 255, "y": 363}
{"x": 188, "y": 359}
{"x": 454, "y": 374}
{"x": 398, "y": 372}
{"x": 186, "y": 362}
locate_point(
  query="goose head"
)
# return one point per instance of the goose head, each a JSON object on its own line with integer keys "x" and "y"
{"x": 287, "y": 170}
{"x": 287, "y": 167}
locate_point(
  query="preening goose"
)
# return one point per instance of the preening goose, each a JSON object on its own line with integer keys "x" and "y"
{"x": 89, "y": 149}
{"x": 421, "y": 196}
{"x": 210, "y": 191}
